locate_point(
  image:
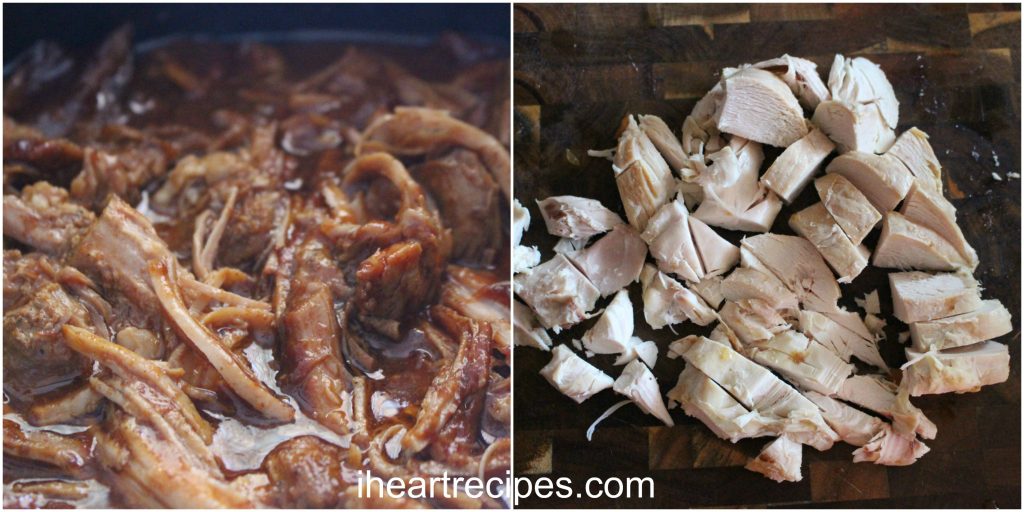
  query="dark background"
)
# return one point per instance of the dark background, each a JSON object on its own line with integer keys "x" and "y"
{"x": 956, "y": 71}
{"x": 73, "y": 25}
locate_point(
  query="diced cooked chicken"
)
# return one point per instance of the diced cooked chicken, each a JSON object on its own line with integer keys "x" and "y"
{"x": 750, "y": 283}
{"x": 933, "y": 211}
{"x": 643, "y": 177}
{"x": 612, "y": 332}
{"x": 639, "y": 385}
{"x": 667, "y": 302}
{"x": 853, "y": 425}
{"x": 890, "y": 448}
{"x": 705, "y": 400}
{"x": 758, "y": 390}
{"x": 912, "y": 148}
{"x": 848, "y": 206}
{"x": 798, "y": 265}
{"x": 662, "y": 137}
{"x": 869, "y": 303}
{"x": 801, "y": 75}
{"x": 752, "y": 320}
{"x": 991, "y": 320}
{"x": 710, "y": 289}
{"x": 876, "y": 394}
{"x": 732, "y": 197}
{"x": 919, "y": 296}
{"x": 646, "y": 351}
{"x": 817, "y": 225}
{"x": 524, "y": 258}
{"x": 853, "y": 127}
{"x": 717, "y": 255}
{"x": 882, "y": 179}
{"x": 576, "y": 217}
{"x": 671, "y": 244}
{"x": 804, "y": 362}
{"x": 614, "y": 261}
{"x": 749, "y": 260}
{"x": 794, "y": 168}
{"x": 845, "y": 342}
{"x": 780, "y": 460}
{"x": 520, "y": 221}
{"x": 905, "y": 244}
{"x": 957, "y": 370}
{"x": 527, "y": 332}
{"x": 859, "y": 80}
{"x": 574, "y": 377}
{"x": 559, "y": 293}
{"x": 759, "y": 106}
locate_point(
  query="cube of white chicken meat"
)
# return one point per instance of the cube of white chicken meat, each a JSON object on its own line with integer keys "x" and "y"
{"x": 876, "y": 394}
{"x": 559, "y": 293}
{"x": 751, "y": 283}
{"x": 935, "y": 212}
{"x": 574, "y": 377}
{"x": 882, "y": 179}
{"x": 913, "y": 150}
{"x": 664, "y": 140}
{"x": 957, "y": 370}
{"x": 794, "y": 168}
{"x": 906, "y": 245}
{"x": 614, "y": 261}
{"x": 848, "y": 206}
{"x": 667, "y": 302}
{"x": 752, "y": 320}
{"x": 639, "y": 385}
{"x": 861, "y": 81}
{"x": 732, "y": 196}
{"x": 717, "y": 255}
{"x": 801, "y": 75}
{"x": 798, "y": 265}
{"x": 524, "y": 258}
{"x": 890, "y": 448}
{"x": 842, "y": 340}
{"x": 817, "y": 225}
{"x": 749, "y": 260}
{"x": 853, "y": 127}
{"x": 520, "y": 221}
{"x": 642, "y": 176}
{"x": 671, "y": 244}
{"x": 569, "y": 247}
{"x": 705, "y": 400}
{"x": 853, "y": 425}
{"x": 757, "y": 389}
{"x": 527, "y": 332}
{"x": 806, "y": 363}
{"x": 646, "y": 351}
{"x": 863, "y": 111}
{"x": 576, "y": 217}
{"x": 920, "y": 297}
{"x": 759, "y": 106}
{"x": 780, "y": 460}
{"x": 710, "y": 289}
{"x": 613, "y": 330}
{"x": 989, "y": 321}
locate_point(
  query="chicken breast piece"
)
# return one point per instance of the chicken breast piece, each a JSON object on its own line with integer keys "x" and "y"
{"x": 667, "y": 302}
{"x": 643, "y": 177}
{"x": 798, "y": 265}
{"x": 671, "y": 244}
{"x": 876, "y": 394}
{"x": 664, "y": 140}
{"x": 757, "y": 389}
{"x": 638, "y": 384}
{"x": 612, "y": 332}
{"x": 520, "y": 221}
{"x": 848, "y": 206}
{"x": 710, "y": 289}
{"x": 574, "y": 377}
{"x": 853, "y": 426}
{"x": 920, "y": 297}
{"x": 701, "y": 398}
{"x": 527, "y": 332}
{"x": 817, "y": 225}
{"x": 752, "y": 320}
{"x": 882, "y": 179}
{"x": 576, "y": 217}
{"x": 906, "y": 245}
{"x": 912, "y": 148}
{"x": 935, "y": 212}
{"x": 844, "y": 342}
{"x": 559, "y": 293}
{"x": 524, "y": 258}
{"x": 780, "y": 460}
{"x": 750, "y": 283}
{"x": 803, "y": 362}
{"x": 732, "y": 196}
{"x": 890, "y": 448}
{"x": 614, "y": 261}
{"x": 801, "y": 75}
{"x": 717, "y": 255}
{"x": 794, "y": 168}
{"x": 957, "y": 370}
{"x": 759, "y": 106}
{"x": 853, "y": 127}
{"x": 989, "y": 321}
{"x": 862, "y": 81}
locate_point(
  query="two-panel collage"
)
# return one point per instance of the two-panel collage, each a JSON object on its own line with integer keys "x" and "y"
{"x": 511, "y": 256}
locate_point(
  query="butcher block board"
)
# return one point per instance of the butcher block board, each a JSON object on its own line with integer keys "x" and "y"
{"x": 956, "y": 71}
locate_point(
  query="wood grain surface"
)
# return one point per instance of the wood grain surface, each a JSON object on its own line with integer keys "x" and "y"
{"x": 956, "y": 71}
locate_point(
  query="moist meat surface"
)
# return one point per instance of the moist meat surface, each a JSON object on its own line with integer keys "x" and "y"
{"x": 242, "y": 275}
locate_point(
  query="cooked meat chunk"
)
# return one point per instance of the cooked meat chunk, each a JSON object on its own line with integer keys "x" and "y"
{"x": 705, "y": 400}
{"x": 779, "y": 460}
{"x": 905, "y": 244}
{"x": 991, "y": 320}
{"x": 642, "y": 176}
{"x": 717, "y": 255}
{"x": 890, "y": 448}
{"x": 876, "y": 394}
{"x": 853, "y": 127}
{"x": 802, "y": 361}
{"x": 816, "y": 225}
{"x": 664, "y": 140}
{"x": 835, "y": 332}
{"x": 559, "y": 293}
{"x": 958, "y": 370}
{"x": 251, "y": 227}
{"x": 614, "y": 261}
{"x": 752, "y": 320}
{"x": 612, "y": 332}
{"x": 918, "y": 296}
{"x": 912, "y": 148}
{"x": 848, "y": 206}
{"x": 933, "y": 211}
{"x": 732, "y": 197}
{"x": 527, "y": 332}
{"x": 574, "y": 377}
{"x": 122, "y": 173}
{"x": 667, "y": 302}
{"x": 853, "y": 426}
{"x": 794, "y": 168}
{"x": 749, "y": 283}
{"x": 44, "y": 218}
{"x": 305, "y": 472}
{"x": 798, "y": 265}
{"x": 759, "y": 106}
{"x": 671, "y": 244}
{"x": 882, "y": 179}
{"x": 576, "y": 217}
{"x": 801, "y": 75}
{"x": 639, "y": 385}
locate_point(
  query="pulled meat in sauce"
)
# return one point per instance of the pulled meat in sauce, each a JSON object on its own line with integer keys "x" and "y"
{"x": 242, "y": 275}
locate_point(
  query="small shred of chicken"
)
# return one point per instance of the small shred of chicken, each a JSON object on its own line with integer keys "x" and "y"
{"x": 779, "y": 460}
{"x": 574, "y": 377}
{"x": 890, "y": 448}
{"x": 638, "y": 384}
{"x": 668, "y": 302}
{"x": 527, "y": 332}
{"x": 875, "y": 393}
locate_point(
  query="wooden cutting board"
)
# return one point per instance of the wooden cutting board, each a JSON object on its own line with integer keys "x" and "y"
{"x": 580, "y": 68}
